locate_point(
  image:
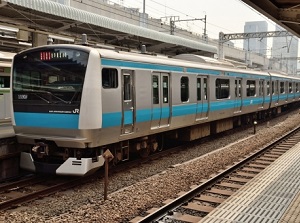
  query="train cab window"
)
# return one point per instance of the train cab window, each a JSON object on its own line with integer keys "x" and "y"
{"x": 184, "y": 83}
{"x": 222, "y": 88}
{"x": 281, "y": 87}
{"x": 109, "y": 78}
{"x": 290, "y": 88}
{"x": 251, "y": 88}
{"x": 198, "y": 89}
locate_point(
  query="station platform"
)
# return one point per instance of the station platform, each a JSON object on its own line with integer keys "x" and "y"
{"x": 273, "y": 196}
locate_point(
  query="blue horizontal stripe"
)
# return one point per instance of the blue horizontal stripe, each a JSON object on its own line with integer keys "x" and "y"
{"x": 121, "y": 63}
{"x": 47, "y": 120}
{"x": 111, "y": 119}
{"x": 197, "y": 70}
{"x": 184, "y": 109}
{"x": 128, "y": 117}
{"x": 143, "y": 115}
{"x": 252, "y": 101}
{"x": 165, "y": 112}
{"x": 155, "y": 114}
{"x": 243, "y": 75}
{"x": 221, "y": 105}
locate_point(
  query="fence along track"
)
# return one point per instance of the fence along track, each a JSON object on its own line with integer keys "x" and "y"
{"x": 193, "y": 205}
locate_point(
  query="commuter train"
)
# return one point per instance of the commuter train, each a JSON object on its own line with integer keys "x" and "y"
{"x": 71, "y": 103}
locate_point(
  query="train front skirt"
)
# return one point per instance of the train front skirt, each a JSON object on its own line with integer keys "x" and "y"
{"x": 71, "y": 167}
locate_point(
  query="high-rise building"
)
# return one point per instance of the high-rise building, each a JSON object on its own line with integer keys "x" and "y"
{"x": 255, "y": 44}
{"x": 285, "y": 52}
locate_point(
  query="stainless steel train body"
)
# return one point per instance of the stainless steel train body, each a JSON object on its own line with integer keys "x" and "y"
{"x": 5, "y": 67}
{"x": 70, "y": 103}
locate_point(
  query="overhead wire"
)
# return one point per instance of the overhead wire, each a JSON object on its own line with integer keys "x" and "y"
{"x": 120, "y": 12}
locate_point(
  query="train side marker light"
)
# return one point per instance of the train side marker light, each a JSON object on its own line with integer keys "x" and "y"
{"x": 254, "y": 125}
{"x": 108, "y": 156}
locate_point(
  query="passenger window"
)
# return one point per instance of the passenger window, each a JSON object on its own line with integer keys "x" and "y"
{"x": 205, "y": 88}
{"x": 222, "y": 88}
{"x": 155, "y": 89}
{"x": 238, "y": 88}
{"x": 290, "y": 88}
{"x": 251, "y": 88}
{"x": 127, "y": 88}
{"x": 261, "y": 88}
{"x": 281, "y": 87}
{"x": 184, "y": 89}
{"x": 165, "y": 89}
{"x": 198, "y": 89}
{"x": 109, "y": 78}
{"x": 268, "y": 87}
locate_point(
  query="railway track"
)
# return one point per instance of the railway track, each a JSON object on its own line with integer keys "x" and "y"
{"x": 34, "y": 187}
{"x": 14, "y": 194}
{"x": 193, "y": 205}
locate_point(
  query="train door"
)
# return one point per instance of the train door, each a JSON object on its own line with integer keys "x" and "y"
{"x": 286, "y": 91}
{"x": 160, "y": 100}
{"x": 128, "y": 102}
{"x": 292, "y": 90}
{"x": 202, "y": 100}
{"x": 238, "y": 96}
{"x": 262, "y": 93}
{"x": 275, "y": 92}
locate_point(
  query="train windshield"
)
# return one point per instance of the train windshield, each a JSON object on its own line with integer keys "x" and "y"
{"x": 53, "y": 75}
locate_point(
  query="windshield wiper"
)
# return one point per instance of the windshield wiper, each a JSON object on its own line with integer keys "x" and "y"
{"x": 44, "y": 99}
{"x": 74, "y": 96}
{"x": 50, "y": 93}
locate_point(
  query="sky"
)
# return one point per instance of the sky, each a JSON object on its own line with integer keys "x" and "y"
{"x": 227, "y": 16}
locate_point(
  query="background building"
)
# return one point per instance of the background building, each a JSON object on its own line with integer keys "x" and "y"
{"x": 285, "y": 51}
{"x": 256, "y": 45}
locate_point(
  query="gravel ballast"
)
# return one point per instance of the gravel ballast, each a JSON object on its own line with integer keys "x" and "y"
{"x": 145, "y": 187}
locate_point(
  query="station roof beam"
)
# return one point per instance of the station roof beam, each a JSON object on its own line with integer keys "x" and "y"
{"x": 285, "y": 13}
{"x": 46, "y": 17}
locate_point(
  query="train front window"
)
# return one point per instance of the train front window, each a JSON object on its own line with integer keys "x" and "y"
{"x": 53, "y": 75}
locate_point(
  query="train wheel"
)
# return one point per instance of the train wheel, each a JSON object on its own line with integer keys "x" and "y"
{"x": 144, "y": 152}
{"x": 160, "y": 143}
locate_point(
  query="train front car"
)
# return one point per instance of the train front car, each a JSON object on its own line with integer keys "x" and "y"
{"x": 50, "y": 88}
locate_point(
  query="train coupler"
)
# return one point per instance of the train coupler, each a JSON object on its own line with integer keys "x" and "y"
{"x": 40, "y": 149}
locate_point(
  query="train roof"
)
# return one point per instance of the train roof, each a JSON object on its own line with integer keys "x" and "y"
{"x": 185, "y": 60}
{"x": 210, "y": 64}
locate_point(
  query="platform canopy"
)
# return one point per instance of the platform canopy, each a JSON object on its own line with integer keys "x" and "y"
{"x": 285, "y": 13}
{"x": 51, "y": 18}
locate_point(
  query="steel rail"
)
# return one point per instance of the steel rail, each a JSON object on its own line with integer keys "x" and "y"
{"x": 164, "y": 210}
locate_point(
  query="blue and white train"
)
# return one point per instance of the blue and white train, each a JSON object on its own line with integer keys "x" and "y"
{"x": 71, "y": 103}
